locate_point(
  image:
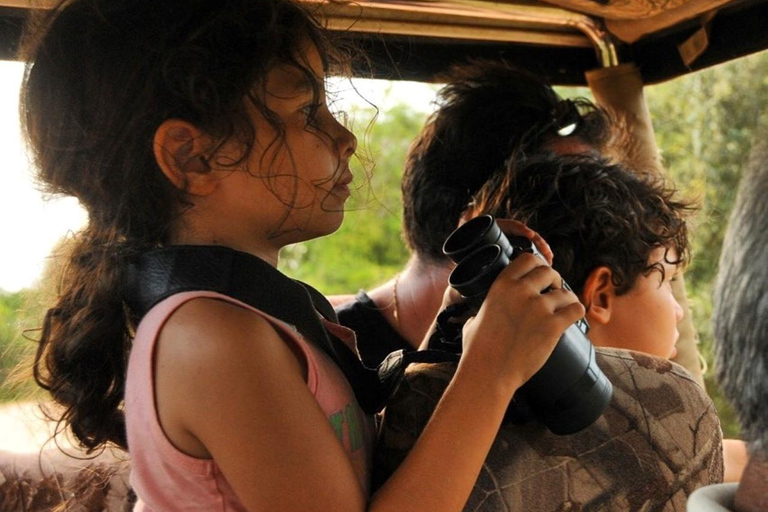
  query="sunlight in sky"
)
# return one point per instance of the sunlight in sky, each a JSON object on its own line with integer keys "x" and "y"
{"x": 31, "y": 226}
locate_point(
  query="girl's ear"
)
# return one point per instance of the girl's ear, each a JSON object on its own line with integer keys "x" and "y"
{"x": 179, "y": 149}
{"x": 597, "y": 295}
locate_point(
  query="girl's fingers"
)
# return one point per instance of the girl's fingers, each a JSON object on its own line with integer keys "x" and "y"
{"x": 544, "y": 278}
{"x": 543, "y": 247}
{"x": 563, "y": 299}
{"x": 514, "y": 227}
{"x": 532, "y": 269}
{"x": 570, "y": 313}
{"x": 541, "y": 278}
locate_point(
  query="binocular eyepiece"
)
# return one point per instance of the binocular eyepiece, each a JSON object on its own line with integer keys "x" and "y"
{"x": 569, "y": 392}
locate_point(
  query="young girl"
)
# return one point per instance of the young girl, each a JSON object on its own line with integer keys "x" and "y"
{"x": 196, "y": 134}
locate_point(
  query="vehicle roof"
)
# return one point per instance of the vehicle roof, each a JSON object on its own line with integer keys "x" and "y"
{"x": 560, "y": 39}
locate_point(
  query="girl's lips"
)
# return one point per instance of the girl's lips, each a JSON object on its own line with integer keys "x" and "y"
{"x": 342, "y": 186}
{"x": 341, "y": 189}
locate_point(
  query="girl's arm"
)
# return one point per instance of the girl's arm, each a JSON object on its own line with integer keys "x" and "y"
{"x": 238, "y": 393}
{"x": 242, "y": 399}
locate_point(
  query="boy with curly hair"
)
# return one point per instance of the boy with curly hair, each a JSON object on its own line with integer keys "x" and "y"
{"x": 618, "y": 238}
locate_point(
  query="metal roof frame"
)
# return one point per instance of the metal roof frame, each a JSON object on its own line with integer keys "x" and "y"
{"x": 420, "y": 39}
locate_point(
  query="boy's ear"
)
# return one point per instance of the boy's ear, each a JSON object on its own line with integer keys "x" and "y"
{"x": 179, "y": 149}
{"x": 597, "y": 295}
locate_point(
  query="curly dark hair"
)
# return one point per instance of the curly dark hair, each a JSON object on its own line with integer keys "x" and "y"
{"x": 101, "y": 77}
{"x": 487, "y": 111}
{"x": 592, "y": 213}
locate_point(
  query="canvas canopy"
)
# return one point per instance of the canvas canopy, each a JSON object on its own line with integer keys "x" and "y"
{"x": 560, "y": 39}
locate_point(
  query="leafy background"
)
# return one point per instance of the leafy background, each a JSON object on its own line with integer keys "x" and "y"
{"x": 705, "y": 123}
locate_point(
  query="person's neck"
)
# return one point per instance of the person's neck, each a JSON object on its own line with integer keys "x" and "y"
{"x": 751, "y": 496}
{"x": 411, "y": 300}
{"x": 194, "y": 235}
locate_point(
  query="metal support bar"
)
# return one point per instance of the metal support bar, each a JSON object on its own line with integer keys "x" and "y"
{"x": 532, "y": 23}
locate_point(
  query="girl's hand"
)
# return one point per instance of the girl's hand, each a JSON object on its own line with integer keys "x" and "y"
{"x": 515, "y": 227}
{"x": 509, "y": 227}
{"x": 518, "y": 326}
{"x": 509, "y": 339}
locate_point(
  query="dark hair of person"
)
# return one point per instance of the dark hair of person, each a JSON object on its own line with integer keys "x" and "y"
{"x": 487, "y": 111}
{"x": 101, "y": 77}
{"x": 592, "y": 213}
{"x": 740, "y": 315}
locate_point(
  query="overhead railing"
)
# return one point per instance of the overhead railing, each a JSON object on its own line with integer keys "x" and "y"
{"x": 560, "y": 39}
{"x": 519, "y": 22}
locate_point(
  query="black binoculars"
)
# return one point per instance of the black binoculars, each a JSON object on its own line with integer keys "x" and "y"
{"x": 569, "y": 392}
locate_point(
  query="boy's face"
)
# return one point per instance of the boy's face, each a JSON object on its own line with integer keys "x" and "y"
{"x": 645, "y": 318}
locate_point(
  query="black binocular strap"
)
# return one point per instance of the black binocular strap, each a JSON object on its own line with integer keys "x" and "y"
{"x": 161, "y": 273}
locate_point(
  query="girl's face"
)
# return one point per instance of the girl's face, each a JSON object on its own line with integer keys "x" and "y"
{"x": 292, "y": 189}
{"x": 645, "y": 318}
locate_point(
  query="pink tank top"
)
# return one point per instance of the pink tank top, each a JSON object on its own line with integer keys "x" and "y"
{"x": 166, "y": 479}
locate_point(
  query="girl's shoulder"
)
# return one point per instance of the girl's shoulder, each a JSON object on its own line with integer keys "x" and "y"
{"x": 211, "y": 353}
{"x": 209, "y": 328}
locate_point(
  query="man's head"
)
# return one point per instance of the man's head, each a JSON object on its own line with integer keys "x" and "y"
{"x": 487, "y": 111}
{"x": 618, "y": 238}
{"x": 741, "y": 306}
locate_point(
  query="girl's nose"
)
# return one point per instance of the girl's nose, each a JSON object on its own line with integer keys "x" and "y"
{"x": 347, "y": 142}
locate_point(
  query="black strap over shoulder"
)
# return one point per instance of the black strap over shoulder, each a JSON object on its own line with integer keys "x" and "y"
{"x": 159, "y": 274}
{"x": 156, "y": 275}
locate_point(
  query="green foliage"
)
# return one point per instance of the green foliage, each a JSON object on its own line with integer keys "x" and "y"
{"x": 16, "y": 352}
{"x": 705, "y": 125}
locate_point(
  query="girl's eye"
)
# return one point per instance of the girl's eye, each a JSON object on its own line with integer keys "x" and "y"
{"x": 310, "y": 110}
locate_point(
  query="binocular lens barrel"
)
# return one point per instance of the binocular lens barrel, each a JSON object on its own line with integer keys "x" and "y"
{"x": 569, "y": 392}
{"x": 473, "y": 276}
{"x": 472, "y": 235}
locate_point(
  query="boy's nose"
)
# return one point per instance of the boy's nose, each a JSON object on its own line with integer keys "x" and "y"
{"x": 678, "y": 311}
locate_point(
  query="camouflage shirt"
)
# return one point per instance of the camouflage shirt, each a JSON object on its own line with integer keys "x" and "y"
{"x": 658, "y": 440}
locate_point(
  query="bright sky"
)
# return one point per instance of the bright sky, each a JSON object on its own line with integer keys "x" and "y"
{"x": 30, "y": 226}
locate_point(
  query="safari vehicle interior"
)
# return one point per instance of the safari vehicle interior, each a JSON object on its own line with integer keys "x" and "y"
{"x": 417, "y": 39}
{"x": 615, "y": 46}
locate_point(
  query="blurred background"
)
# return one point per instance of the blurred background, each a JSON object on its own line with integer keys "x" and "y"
{"x": 704, "y": 124}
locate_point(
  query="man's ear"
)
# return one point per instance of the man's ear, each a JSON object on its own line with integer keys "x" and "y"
{"x": 597, "y": 295}
{"x": 180, "y": 152}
